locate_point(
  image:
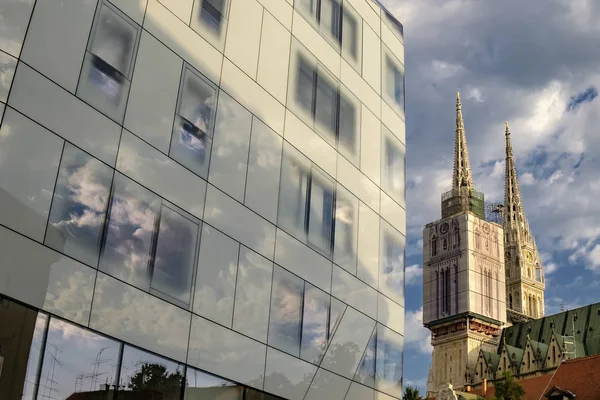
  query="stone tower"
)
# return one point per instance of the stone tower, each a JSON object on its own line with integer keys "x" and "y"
{"x": 463, "y": 276}
{"x": 524, "y": 273}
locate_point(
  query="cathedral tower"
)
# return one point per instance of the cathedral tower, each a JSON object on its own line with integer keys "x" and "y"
{"x": 463, "y": 276}
{"x": 524, "y": 274}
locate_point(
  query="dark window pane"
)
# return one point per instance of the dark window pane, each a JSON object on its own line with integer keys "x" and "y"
{"x": 292, "y": 193}
{"x": 132, "y": 222}
{"x": 390, "y": 346}
{"x": 314, "y": 324}
{"x": 211, "y": 13}
{"x": 306, "y": 83}
{"x": 156, "y": 377}
{"x": 330, "y": 17}
{"x": 175, "y": 256}
{"x": 350, "y": 35}
{"x": 114, "y": 40}
{"x": 203, "y": 386}
{"x": 76, "y": 360}
{"x": 326, "y": 105}
{"x": 366, "y": 369}
{"x": 194, "y": 124}
{"x": 320, "y": 223}
{"x": 348, "y": 125}
{"x": 395, "y": 83}
{"x": 79, "y": 206}
{"x": 252, "y": 394}
{"x": 286, "y": 311}
{"x": 346, "y": 229}
{"x": 21, "y": 333}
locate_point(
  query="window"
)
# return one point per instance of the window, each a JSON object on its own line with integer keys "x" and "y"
{"x": 149, "y": 243}
{"x": 151, "y": 376}
{"x": 394, "y": 82}
{"x": 303, "y": 318}
{"x": 350, "y": 34}
{"x": 108, "y": 63}
{"x": 538, "y": 273}
{"x": 388, "y": 364}
{"x": 211, "y": 13}
{"x": 79, "y": 206}
{"x": 330, "y": 18}
{"x": 433, "y": 246}
{"x": 333, "y": 113}
{"x": 346, "y": 229}
{"x": 201, "y": 385}
{"x": 191, "y": 140}
{"x": 391, "y": 275}
{"x": 366, "y": 370}
{"x": 76, "y": 360}
{"x": 306, "y": 202}
{"x": 393, "y": 170}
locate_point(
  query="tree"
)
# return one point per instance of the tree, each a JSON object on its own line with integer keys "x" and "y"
{"x": 507, "y": 388}
{"x": 152, "y": 376}
{"x": 411, "y": 393}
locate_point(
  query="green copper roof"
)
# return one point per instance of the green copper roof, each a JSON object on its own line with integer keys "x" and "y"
{"x": 494, "y": 358}
{"x": 585, "y": 320}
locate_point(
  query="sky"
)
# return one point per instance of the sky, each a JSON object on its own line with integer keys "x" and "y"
{"x": 535, "y": 63}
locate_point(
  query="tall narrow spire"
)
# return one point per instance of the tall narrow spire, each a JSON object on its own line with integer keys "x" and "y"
{"x": 514, "y": 215}
{"x": 524, "y": 270}
{"x": 462, "y": 169}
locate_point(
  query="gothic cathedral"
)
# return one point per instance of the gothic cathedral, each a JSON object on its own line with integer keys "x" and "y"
{"x": 479, "y": 276}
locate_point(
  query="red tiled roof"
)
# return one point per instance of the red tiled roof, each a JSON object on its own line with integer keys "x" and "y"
{"x": 581, "y": 376}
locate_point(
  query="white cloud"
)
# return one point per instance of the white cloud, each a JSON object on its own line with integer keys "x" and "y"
{"x": 415, "y": 334}
{"x": 526, "y": 179}
{"x": 594, "y": 258}
{"x": 413, "y": 274}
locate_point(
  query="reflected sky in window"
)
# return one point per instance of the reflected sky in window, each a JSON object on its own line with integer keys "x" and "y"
{"x": 391, "y": 278}
{"x": 76, "y": 360}
{"x": 314, "y": 324}
{"x": 286, "y": 311}
{"x": 133, "y": 219}
{"x": 79, "y": 206}
{"x": 390, "y": 347}
{"x": 366, "y": 370}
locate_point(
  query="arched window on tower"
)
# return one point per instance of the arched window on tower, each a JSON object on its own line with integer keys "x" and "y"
{"x": 447, "y": 302}
{"x": 529, "y": 272}
{"x": 433, "y": 246}
{"x": 538, "y": 273}
{"x": 510, "y": 304}
{"x": 490, "y": 293}
{"x": 437, "y": 294}
{"x": 486, "y": 292}
{"x": 456, "y": 287}
{"x": 456, "y": 237}
{"x": 442, "y": 289}
{"x": 445, "y": 244}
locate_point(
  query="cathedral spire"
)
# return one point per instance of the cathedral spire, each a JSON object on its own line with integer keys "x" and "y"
{"x": 514, "y": 215}
{"x": 462, "y": 169}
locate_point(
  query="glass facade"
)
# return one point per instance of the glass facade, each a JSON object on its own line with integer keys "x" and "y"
{"x": 201, "y": 199}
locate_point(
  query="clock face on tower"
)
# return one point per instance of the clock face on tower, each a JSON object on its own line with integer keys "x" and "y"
{"x": 444, "y": 228}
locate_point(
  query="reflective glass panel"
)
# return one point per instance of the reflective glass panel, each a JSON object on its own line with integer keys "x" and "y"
{"x": 193, "y": 128}
{"x": 348, "y": 127}
{"x": 203, "y": 386}
{"x": 76, "y": 360}
{"x": 326, "y": 105}
{"x": 393, "y": 167}
{"x": 286, "y": 311}
{"x": 7, "y": 71}
{"x": 330, "y": 17}
{"x": 308, "y": 6}
{"x": 366, "y": 369}
{"x": 320, "y": 225}
{"x": 336, "y": 312}
{"x": 306, "y": 83}
{"x": 79, "y": 206}
{"x": 253, "y": 287}
{"x": 390, "y": 347}
{"x": 264, "y": 169}
{"x": 215, "y": 280}
{"x": 391, "y": 276}
{"x": 175, "y": 256}
{"x": 346, "y": 229}
{"x": 229, "y": 160}
{"x": 21, "y": 330}
{"x": 314, "y": 324}
{"x": 211, "y": 13}
{"x": 14, "y": 15}
{"x": 114, "y": 39}
{"x": 293, "y": 191}
{"x": 350, "y": 34}
{"x": 132, "y": 222}
{"x": 151, "y": 376}
{"x": 395, "y": 83}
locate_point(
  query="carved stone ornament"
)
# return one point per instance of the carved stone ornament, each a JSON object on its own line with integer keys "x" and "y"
{"x": 446, "y": 392}
{"x": 486, "y": 229}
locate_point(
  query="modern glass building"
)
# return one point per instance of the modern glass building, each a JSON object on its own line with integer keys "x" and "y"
{"x": 201, "y": 199}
